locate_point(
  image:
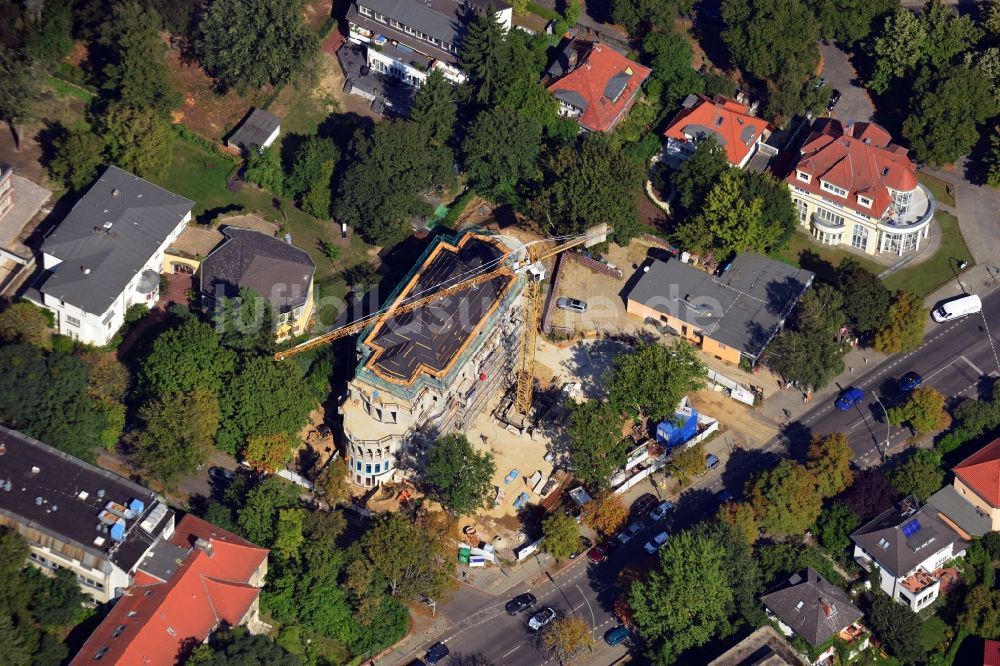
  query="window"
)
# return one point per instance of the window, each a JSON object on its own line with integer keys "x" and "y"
{"x": 368, "y": 469}
{"x": 119, "y": 631}
{"x": 378, "y": 468}
{"x": 100, "y": 653}
{"x": 803, "y": 209}
{"x": 901, "y": 201}
{"x": 364, "y": 10}
{"x": 883, "y": 544}
{"x": 72, "y": 321}
{"x": 803, "y": 176}
{"x": 859, "y": 238}
{"x": 359, "y": 465}
{"x": 865, "y": 201}
{"x": 378, "y": 413}
{"x": 387, "y": 465}
{"x": 829, "y": 217}
{"x": 830, "y": 187}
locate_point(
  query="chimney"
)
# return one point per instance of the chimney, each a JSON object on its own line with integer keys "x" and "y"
{"x": 204, "y": 545}
{"x": 115, "y": 192}
{"x": 827, "y": 607}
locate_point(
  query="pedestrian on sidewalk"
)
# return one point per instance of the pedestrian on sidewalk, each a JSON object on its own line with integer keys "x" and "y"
{"x": 850, "y": 368}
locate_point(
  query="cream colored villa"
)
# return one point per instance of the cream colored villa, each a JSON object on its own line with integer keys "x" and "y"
{"x": 853, "y": 186}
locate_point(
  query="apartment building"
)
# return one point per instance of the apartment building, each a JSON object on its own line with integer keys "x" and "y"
{"x": 106, "y": 256}
{"x": 431, "y": 371}
{"x": 76, "y": 516}
{"x": 852, "y": 186}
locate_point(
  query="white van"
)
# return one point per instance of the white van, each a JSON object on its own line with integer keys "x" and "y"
{"x": 956, "y": 308}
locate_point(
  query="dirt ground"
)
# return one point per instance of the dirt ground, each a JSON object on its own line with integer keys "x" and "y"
{"x": 748, "y": 426}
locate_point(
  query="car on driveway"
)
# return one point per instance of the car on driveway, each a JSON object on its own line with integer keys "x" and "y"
{"x": 436, "y": 653}
{"x": 631, "y": 532}
{"x": 221, "y": 474}
{"x": 519, "y": 603}
{"x": 834, "y": 98}
{"x": 574, "y": 304}
{"x": 616, "y": 635}
{"x": 849, "y": 398}
{"x": 655, "y": 543}
{"x": 541, "y": 618}
{"x": 711, "y": 461}
{"x": 910, "y": 381}
{"x": 642, "y": 506}
{"x": 661, "y": 511}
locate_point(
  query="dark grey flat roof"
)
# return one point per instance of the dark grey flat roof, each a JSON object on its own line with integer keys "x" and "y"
{"x": 70, "y": 492}
{"x": 951, "y": 503}
{"x": 812, "y": 606}
{"x": 742, "y": 309}
{"x": 108, "y": 237}
{"x": 276, "y": 270}
{"x": 255, "y": 130}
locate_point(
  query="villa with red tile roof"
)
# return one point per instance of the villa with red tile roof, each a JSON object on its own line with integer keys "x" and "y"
{"x": 594, "y": 84}
{"x": 852, "y": 186}
{"x": 977, "y": 481}
{"x": 188, "y": 586}
{"x": 731, "y": 124}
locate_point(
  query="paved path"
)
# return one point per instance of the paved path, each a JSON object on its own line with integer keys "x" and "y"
{"x": 855, "y": 104}
{"x": 978, "y": 210}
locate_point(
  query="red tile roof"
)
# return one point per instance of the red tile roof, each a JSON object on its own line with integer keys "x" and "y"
{"x": 991, "y": 653}
{"x": 154, "y": 620}
{"x": 981, "y": 472}
{"x": 859, "y": 158}
{"x": 588, "y": 82}
{"x": 731, "y": 123}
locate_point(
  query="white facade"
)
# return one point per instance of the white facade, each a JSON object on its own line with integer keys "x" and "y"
{"x": 894, "y": 586}
{"x": 98, "y": 328}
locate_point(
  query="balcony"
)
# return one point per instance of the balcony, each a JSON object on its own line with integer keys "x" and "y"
{"x": 918, "y": 214}
{"x": 826, "y": 225}
{"x": 918, "y": 581}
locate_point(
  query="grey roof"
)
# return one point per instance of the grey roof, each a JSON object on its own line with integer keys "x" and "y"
{"x": 698, "y": 131}
{"x": 616, "y": 86}
{"x": 164, "y": 559}
{"x": 744, "y": 308}
{"x": 813, "y": 607}
{"x": 278, "y": 271}
{"x": 764, "y": 647}
{"x": 255, "y": 130}
{"x": 108, "y": 237}
{"x": 970, "y": 519}
{"x": 70, "y": 492}
{"x": 897, "y": 543}
{"x": 571, "y": 97}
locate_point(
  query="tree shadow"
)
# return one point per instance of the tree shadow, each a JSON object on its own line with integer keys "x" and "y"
{"x": 796, "y": 436}
{"x": 209, "y": 215}
{"x": 824, "y": 270}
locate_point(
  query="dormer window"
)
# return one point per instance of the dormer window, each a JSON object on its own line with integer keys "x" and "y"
{"x": 803, "y": 176}
{"x": 884, "y": 544}
{"x": 830, "y": 187}
{"x": 364, "y": 10}
{"x": 864, "y": 201}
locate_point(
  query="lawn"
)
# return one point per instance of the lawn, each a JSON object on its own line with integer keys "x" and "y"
{"x": 820, "y": 259}
{"x": 932, "y": 632}
{"x": 940, "y": 188}
{"x": 925, "y": 277}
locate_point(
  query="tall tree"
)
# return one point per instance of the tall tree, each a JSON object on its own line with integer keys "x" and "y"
{"x": 595, "y": 433}
{"x": 312, "y": 175}
{"x": 176, "y": 433}
{"x": 605, "y": 514}
{"x": 850, "y": 21}
{"x": 728, "y": 222}
{"x": 500, "y": 149}
{"x": 830, "y": 461}
{"x": 138, "y": 140}
{"x": 741, "y": 517}
{"x": 461, "y": 477}
{"x": 268, "y": 453}
{"x": 834, "y": 527}
{"x": 870, "y": 495}
{"x": 949, "y": 34}
{"x": 768, "y": 37}
{"x": 899, "y": 627}
{"x": 652, "y": 379}
{"x": 258, "y": 518}
{"x": 78, "y": 154}
{"x": 263, "y": 168}
{"x": 249, "y": 44}
{"x": 786, "y": 499}
{"x": 567, "y": 637}
{"x": 49, "y": 37}
{"x": 669, "y": 54}
{"x": 897, "y": 49}
{"x": 26, "y": 322}
{"x": 699, "y": 173}
{"x": 924, "y": 409}
{"x": 19, "y": 88}
{"x": 484, "y": 54}
{"x": 921, "y": 475}
{"x": 560, "y": 535}
{"x": 408, "y": 556}
{"x": 808, "y": 353}
{"x": 866, "y": 298}
{"x": 184, "y": 357}
{"x": 641, "y": 16}
{"x": 905, "y": 330}
{"x": 136, "y": 71}
{"x": 434, "y": 108}
{"x": 687, "y": 599}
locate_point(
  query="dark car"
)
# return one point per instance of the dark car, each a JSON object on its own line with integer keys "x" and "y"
{"x": 616, "y": 635}
{"x": 910, "y": 381}
{"x": 221, "y": 474}
{"x": 519, "y": 603}
{"x": 643, "y": 505}
{"x": 834, "y": 98}
{"x": 436, "y": 653}
{"x": 600, "y": 552}
{"x": 585, "y": 543}
{"x": 849, "y": 398}
{"x": 770, "y": 460}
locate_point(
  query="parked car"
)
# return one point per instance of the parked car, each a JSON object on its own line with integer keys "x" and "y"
{"x": 641, "y": 506}
{"x": 723, "y": 496}
{"x": 834, "y": 98}
{"x": 655, "y": 543}
{"x": 910, "y": 381}
{"x": 849, "y": 398}
{"x": 770, "y": 460}
{"x": 541, "y": 618}
{"x": 616, "y": 635}
{"x": 574, "y": 304}
{"x": 711, "y": 461}
{"x": 436, "y": 653}
{"x": 661, "y": 511}
{"x": 631, "y": 532}
{"x": 221, "y": 474}
{"x": 585, "y": 543}
{"x": 599, "y": 553}
{"x": 520, "y": 602}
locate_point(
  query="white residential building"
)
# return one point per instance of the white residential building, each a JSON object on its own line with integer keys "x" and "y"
{"x": 106, "y": 256}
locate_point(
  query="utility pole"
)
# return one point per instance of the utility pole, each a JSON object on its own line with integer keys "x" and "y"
{"x": 887, "y": 426}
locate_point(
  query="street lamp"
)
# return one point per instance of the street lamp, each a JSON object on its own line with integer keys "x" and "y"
{"x": 887, "y": 427}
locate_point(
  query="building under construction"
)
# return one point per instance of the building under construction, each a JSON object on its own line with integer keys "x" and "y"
{"x": 432, "y": 370}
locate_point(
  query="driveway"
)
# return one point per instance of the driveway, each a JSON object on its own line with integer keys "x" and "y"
{"x": 978, "y": 210}
{"x": 841, "y": 75}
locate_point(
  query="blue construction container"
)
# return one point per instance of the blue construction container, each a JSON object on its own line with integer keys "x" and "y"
{"x": 118, "y": 531}
{"x": 675, "y": 432}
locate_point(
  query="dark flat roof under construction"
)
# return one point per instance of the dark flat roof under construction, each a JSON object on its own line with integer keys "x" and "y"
{"x": 430, "y": 339}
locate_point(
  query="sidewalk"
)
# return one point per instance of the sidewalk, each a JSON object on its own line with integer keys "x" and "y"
{"x": 422, "y": 630}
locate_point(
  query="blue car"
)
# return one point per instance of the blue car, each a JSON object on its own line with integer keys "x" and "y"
{"x": 849, "y": 398}
{"x": 910, "y": 381}
{"x": 616, "y": 635}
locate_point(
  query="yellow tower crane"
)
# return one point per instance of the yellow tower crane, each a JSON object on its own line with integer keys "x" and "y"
{"x": 525, "y": 260}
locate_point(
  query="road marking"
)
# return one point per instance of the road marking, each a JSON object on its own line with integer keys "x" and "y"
{"x": 516, "y": 648}
{"x": 972, "y": 365}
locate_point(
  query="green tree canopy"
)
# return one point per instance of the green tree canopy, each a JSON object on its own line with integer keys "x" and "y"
{"x": 258, "y": 518}
{"x": 904, "y": 331}
{"x": 899, "y": 627}
{"x": 263, "y": 397}
{"x": 949, "y": 34}
{"x": 687, "y": 599}
{"x": 897, "y": 48}
{"x": 237, "y": 646}
{"x": 78, "y": 154}
{"x": 595, "y": 433}
{"x": 49, "y": 37}
{"x": 26, "y": 322}
{"x": 699, "y": 173}
{"x": 139, "y": 140}
{"x": 485, "y": 54}
{"x": 850, "y": 21}
{"x": 834, "y": 527}
{"x": 409, "y": 557}
{"x": 500, "y": 149}
{"x": 264, "y": 169}
{"x": 312, "y": 173}
{"x": 652, "y": 379}
{"x": 460, "y": 477}
{"x": 434, "y": 108}
{"x": 19, "y": 88}
{"x": 641, "y": 16}
{"x": 669, "y": 54}
{"x": 921, "y": 475}
{"x": 830, "y": 461}
{"x": 176, "y": 434}
{"x": 786, "y": 499}
{"x": 924, "y": 410}
{"x": 183, "y": 357}
{"x": 252, "y": 43}
{"x": 808, "y": 353}
{"x": 866, "y": 298}
{"x": 560, "y": 535}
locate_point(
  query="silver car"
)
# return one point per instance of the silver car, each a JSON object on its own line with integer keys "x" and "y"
{"x": 541, "y": 618}
{"x": 576, "y": 305}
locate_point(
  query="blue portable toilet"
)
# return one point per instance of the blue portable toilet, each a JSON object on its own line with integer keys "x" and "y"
{"x": 118, "y": 531}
